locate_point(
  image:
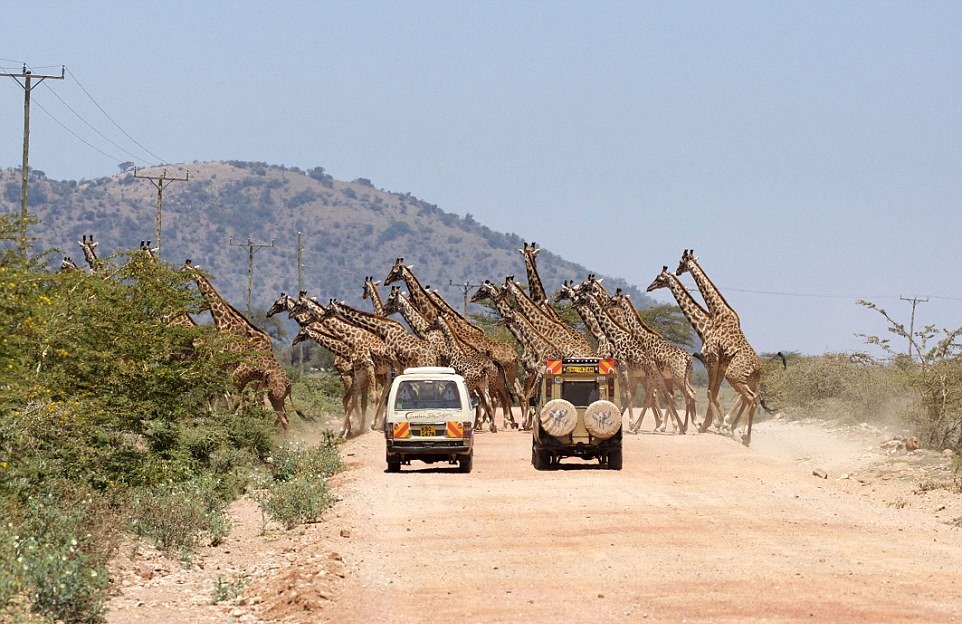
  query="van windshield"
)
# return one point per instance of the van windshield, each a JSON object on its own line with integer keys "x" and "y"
{"x": 427, "y": 394}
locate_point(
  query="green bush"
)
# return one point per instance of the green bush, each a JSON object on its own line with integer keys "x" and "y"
{"x": 301, "y": 499}
{"x": 182, "y": 517}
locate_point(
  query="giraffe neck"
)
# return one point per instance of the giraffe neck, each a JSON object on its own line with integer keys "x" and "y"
{"x": 696, "y": 315}
{"x": 617, "y": 335}
{"x": 502, "y": 306}
{"x": 329, "y": 342}
{"x": 224, "y": 315}
{"x": 633, "y": 318}
{"x": 717, "y": 305}
{"x": 419, "y": 325}
{"x": 419, "y": 296}
{"x": 378, "y": 325}
{"x": 463, "y": 327}
{"x": 90, "y": 255}
{"x": 533, "y": 313}
{"x": 538, "y": 294}
{"x": 375, "y": 299}
{"x": 591, "y": 322}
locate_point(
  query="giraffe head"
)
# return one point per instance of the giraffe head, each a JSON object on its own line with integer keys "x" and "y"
{"x": 486, "y": 291}
{"x": 617, "y": 299}
{"x": 67, "y": 264}
{"x": 397, "y": 272}
{"x": 370, "y": 288}
{"x": 301, "y": 336}
{"x": 567, "y": 291}
{"x": 529, "y": 251}
{"x": 278, "y": 306}
{"x": 663, "y": 280}
{"x": 393, "y": 302}
{"x": 687, "y": 262}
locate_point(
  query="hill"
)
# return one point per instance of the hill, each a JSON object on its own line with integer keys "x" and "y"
{"x": 349, "y": 230}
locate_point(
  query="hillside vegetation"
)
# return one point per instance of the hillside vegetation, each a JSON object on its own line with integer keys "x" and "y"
{"x": 349, "y": 229}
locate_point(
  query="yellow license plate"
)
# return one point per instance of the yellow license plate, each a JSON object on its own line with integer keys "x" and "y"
{"x": 427, "y": 430}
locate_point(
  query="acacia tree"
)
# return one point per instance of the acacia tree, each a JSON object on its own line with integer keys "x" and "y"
{"x": 936, "y": 376}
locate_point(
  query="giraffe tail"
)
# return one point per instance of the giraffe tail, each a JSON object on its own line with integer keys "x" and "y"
{"x": 300, "y": 414}
{"x": 697, "y": 356}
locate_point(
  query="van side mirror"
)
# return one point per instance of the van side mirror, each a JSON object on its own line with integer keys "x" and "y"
{"x": 474, "y": 402}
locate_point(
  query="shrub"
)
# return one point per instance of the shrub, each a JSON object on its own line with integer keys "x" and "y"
{"x": 301, "y": 499}
{"x": 182, "y": 517}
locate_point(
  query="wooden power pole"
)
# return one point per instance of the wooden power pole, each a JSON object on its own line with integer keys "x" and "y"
{"x": 28, "y": 85}
{"x": 251, "y": 245}
{"x": 159, "y": 183}
{"x": 465, "y": 287}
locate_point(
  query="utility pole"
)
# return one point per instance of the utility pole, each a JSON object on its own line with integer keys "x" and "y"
{"x": 159, "y": 183}
{"x": 27, "y": 85}
{"x": 915, "y": 301}
{"x": 465, "y": 286}
{"x": 251, "y": 245}
{"x": 300, "y": 347}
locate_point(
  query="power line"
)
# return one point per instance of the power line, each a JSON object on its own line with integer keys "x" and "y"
{"x": 137, "y": 143}
{"x": 77, "y": 136}
{"x": 89, "y": 125}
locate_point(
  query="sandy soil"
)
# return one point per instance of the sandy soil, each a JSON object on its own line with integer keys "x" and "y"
{"x": 695, "y": 528}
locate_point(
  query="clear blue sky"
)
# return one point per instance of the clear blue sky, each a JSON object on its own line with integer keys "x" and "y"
{"x": 813, "y": 148}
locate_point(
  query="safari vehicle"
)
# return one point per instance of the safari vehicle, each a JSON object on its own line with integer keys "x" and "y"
{"x": 578, "y": 413}
{"x": 429, "y": 418}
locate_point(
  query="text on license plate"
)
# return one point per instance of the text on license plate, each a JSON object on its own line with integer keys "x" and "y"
{"x": 427, "y": 430}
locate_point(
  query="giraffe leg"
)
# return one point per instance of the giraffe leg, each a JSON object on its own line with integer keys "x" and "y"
{"x": 715, "y": 376}
{"x": 689, "y": 403}
{"x": 669, "y": 400}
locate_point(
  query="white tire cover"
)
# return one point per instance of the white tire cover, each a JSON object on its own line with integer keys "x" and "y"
{"x": 559, "y": 417}
{"x": 602, "y": 419}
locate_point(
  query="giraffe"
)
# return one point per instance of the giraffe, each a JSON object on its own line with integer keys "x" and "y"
{"x": 557, "y": 333}
{"x": 259, "y": 364}
{"x": 504, "y": 355}
{"x": 738, "y": 361}
{"x": 396, "y": 302}
{"x": 361, "y": 341}
{"x": 409, "y": 350}
{"x": 475, "y": 367}
{"x": 356, "y": 370}
{"x": 630, "y": 378}
{"x": 534, "y": 349}
{"x": 567, "y": 291}
{"x": 633, "y": 354}
{"x": 673, "y": 361}
{"x": 67, "y": 265}
{"x": 535, "y": 286}
{"x": 370, "y": 292}
{"x": 349, "y": 363}
{"x": 89, "y": 247}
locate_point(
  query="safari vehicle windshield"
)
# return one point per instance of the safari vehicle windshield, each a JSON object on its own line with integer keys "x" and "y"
{"x": 580, "y": 393}
{"x": 427, "y": 394}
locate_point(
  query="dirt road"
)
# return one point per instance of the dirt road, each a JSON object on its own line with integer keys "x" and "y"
{"x": 695, "y": 528}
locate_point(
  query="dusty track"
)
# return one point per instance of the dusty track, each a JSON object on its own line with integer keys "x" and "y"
{"x": 695, "y": 528}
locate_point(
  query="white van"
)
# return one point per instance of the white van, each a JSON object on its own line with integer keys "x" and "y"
{"x": 429, "y": 418}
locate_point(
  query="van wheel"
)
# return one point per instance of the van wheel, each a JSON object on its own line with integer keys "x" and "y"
{"x": 394, "y": 464}
{"x": 465, "y": 462}
{"x": 539, "y": 460}
{"x": 614, "y": 460}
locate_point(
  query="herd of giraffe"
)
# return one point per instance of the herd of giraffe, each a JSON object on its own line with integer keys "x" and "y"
{"x": 369, "y": 346}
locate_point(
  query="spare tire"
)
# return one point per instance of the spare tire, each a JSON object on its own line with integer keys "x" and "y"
{"x": 558, "y": 417}
{"x": 602, "y": 419}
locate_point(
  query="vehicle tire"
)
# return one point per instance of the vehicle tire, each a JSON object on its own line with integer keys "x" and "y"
{"x": 394, "y": 464}
{"x": 465, "y": 462}
{"x": 539, "y": 459}
{"x": 602, "y": 419}
{"x": 614, "y": 459}
{"x": 558, "y": 417}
